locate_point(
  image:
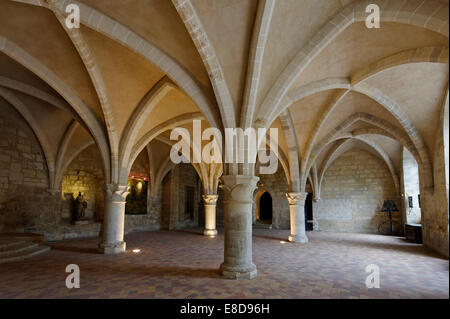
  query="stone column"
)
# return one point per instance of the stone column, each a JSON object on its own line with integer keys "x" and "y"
{"x": 114, "y": 219}
{"x": 210, "y": 214}
{"x": 297, "y": 214}
{"x": 238, "y": 202}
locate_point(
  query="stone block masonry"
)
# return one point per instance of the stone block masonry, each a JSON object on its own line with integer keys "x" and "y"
{"x": 353, "y": 191}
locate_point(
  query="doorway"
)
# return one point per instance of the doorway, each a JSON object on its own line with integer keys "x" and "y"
{"x": 265, "y": 208}
{"x": 309, "y": 212}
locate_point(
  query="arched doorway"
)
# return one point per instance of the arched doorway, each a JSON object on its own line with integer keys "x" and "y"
{"x": 265, "y": 208}
{"x": 309, "y": 212}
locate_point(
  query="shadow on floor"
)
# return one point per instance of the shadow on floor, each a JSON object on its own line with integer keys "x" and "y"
{"x": 84, "y": 250}
{"x": 403, "y": 246}
{"x": 280, "y": 238}
{"x": 158, "y": 272}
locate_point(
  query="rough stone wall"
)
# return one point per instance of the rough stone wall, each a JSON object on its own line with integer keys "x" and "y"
{"x": 25, "y": 204}
{"x": 277, "y": 187}
{"x": 85, "y": 175}
{"x": 152, "y": 220}
{"x": 140, "y": 168}
{"x": 149, "y": 222}
{"x": 175, "y": 183}
{"x": 353, "y": 191}
{"x": 187, "y": 176}
{"x": 436, "y": 213}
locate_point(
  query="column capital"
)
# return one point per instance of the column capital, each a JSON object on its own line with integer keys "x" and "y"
{"x": 239, "y": 187}
{"x": 115, "y": 192}
{"x": 210, "y": 199}
{"x": 296, "y": 198}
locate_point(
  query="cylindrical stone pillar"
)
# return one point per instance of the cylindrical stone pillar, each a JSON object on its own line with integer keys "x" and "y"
{"x": 114, "y": 219}
{"x": 210, "y": 214}
{"x": 238, "y": 200}
{"x": 297, "y": 214}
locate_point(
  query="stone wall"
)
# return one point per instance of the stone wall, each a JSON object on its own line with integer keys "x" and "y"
{"x": 276, "y": 185}
{"x": 152, "y": 220}
{"x": 85, "y": 175}
{"x": 25, "y": 203}
{"x": 353, "y": 191}
{"x": 174, "y": 205}
{"x": 436, "y": 217}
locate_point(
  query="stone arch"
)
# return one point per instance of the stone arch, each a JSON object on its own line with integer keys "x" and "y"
{"x": 188, "y": 15}
{"x": 417, "y": 15}
{"x": 14, "y": 101}
{"x": 199, "y": 167}
{"x": 374, "y": 94}
{"x": 293, "y": 153}
{"x": 258, "y": 44}
{"x": 69, "y": 160}
{"x": 283, "y": 160}
{"x": 258, "y": 197}
{"x": 336, "y": 153}
{"x": 41, "y": 95}
{"x": 137, "y": 119}
{"x": 394, "y": 132}
{"x": 404, "y": 121}
{"x": 19, "y": 55}
{"x": 445, "y": 133}
{"x": 156, "y": 131}
{"x": 120, "y": 33}
{"x": 97, "y": 80}
{"x": 162, "y": 172}
{"x": 339, "y": 132}
{"x": 418, "y": 55}
{"x": 381, "y": 99}
{"x": 68, "y": 134}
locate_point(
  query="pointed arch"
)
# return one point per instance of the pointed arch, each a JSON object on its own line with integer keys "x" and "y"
{"x": 415, "y": 14}
{"x": 138, "y": 118}
{"x": 24, "y": 58}
{"x": 293, "y": 153}
{"x": 188, "y": 15}
{"x": 255, "y": 61}
{"x": 44, "y": 143}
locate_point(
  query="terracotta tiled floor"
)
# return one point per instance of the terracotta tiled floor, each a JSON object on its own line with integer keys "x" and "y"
{"x": 184, "y": 264}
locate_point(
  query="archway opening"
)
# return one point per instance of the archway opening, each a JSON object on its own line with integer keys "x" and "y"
{"x": 309, "y": 212}
{"x": 411, "y": 189}
{"x": 265, "y": 208}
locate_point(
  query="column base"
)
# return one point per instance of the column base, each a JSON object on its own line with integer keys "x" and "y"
{"x": 238, "y": 272}
{"x": 210, "y": 232}
{"x": 298, "y": 239}
{"x": 112, "y": 249}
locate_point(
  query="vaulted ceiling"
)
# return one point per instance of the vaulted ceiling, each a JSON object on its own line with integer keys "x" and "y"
{"x": 137, "y": 68}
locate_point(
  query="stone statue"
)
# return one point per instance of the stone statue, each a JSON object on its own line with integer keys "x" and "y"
{"x": 79, "y": 208}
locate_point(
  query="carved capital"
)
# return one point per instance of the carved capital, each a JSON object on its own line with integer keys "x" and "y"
{"x": 239, "y": 188}
{"x": 210, "y": 199}
{"x": 115, "y": 192}
{"x": 296, "y": 198}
